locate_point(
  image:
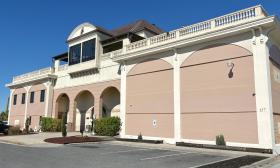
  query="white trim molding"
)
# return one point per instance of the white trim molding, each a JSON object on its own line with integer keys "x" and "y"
{"x": 10, "y": 104}
{"x": 177, "y": 97}
{"x": 27, "y": 89}
{"x": 123, "y": 98}
{"x": 263, "y": 90}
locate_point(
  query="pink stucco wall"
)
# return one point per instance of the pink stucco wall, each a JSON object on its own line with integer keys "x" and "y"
{"x": 17, "y": 111}
{"x": 211, "y": 102}
{"x": 150, "y": 98}
{"x": 37, "y": 108}
{"x": 95, "y": 89}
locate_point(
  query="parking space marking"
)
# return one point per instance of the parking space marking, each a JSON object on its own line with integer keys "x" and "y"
{"x": 124, "y": 151}
{"x": 164, "y": 156}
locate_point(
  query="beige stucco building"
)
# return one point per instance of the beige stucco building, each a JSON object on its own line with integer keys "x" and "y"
{"x": 220, "y": 76}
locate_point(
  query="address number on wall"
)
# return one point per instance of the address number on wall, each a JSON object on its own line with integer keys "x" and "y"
{"x": 263, "y": 109}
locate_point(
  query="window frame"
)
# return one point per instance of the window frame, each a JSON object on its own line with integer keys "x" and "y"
{"x": 92, "y": 57}
{"x": 23, "y": 98}
{"x": 70, "y": 62}
{"x": 42, "y": 95}
{"x": 32, "y": 97}
{"x": 15, "y": 99}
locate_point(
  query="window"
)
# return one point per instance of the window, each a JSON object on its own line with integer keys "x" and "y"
{"x": 32, "y": 97}
{"x": 75, "y": 54}
{"x": 15, "y": 100}
{"x": 42, "y": 96}
{"x": 113, "y": 47}
{"x": 88, "y": 50}
{"x": 23, "y": 98}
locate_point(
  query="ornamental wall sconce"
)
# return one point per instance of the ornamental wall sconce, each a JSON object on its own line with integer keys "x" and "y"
{"x": 231, "y": 66}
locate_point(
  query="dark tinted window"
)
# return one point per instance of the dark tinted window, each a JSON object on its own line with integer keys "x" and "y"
{"x": 113, "y": 47}
{"x": 23, "y": 98}
{"x": 42, "y": 96}
{"x": 88, "y": 50}
{"x": 75, "y": 54}
{"x": 15, "y": 100}
{"x": 32, "y": 97}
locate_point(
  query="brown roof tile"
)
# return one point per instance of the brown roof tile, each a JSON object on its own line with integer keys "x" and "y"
{"x": 136, "y": 27}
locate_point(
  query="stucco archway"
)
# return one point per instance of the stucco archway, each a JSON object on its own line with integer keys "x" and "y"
{"x": 84, "y": 109}
{"x": 62, "y": 105}
{"x": 110, "y": 102}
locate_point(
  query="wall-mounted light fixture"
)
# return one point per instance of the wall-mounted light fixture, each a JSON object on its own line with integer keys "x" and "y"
{"x": 230, "y": 65}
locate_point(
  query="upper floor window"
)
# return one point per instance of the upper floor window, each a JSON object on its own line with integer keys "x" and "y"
{"x": 32, "y": 94}
{"x": 15, "y": 100}
{"x": 82, "y": 52}
{"x": 75, "y": 54}
{"x": 88, "y": 51}
{"x": 42, "y": 96}
{"x": 23, "y": 98}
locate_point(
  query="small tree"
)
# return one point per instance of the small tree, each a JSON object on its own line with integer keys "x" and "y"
{"x": 63, "y": 126}
{"x": 27, "y": 124}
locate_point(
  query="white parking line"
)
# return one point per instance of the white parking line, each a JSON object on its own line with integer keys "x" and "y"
{"x": 164, "y": 156}
{"x": 124, "y": 151}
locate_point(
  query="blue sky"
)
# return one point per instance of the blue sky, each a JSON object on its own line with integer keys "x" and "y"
{"x": 32, "y": 31}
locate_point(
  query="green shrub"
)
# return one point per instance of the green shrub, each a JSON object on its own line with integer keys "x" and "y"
{"x": 50, "y": 124}
{"x": 220, "y": 140}
{"x": 14, "y": 130}
{"x": 109, "y": 126}
{"x": 63, "y": 126}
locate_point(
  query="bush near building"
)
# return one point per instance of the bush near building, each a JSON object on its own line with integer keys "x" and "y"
{"x": 49, "y": 124}
{"x": 109, "y": 126}
{"x": 14, "y": 131}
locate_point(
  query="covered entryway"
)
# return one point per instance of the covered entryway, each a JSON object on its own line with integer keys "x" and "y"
{"x": 84, "y": 108}
{"x": 62, "y": 105}
{"x": 110, "y": 102}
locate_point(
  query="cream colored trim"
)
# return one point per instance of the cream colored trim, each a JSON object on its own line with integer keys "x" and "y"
{"x": 177, "y": 96}
{"x": 10, "y": 104}
{"x": 48, "y": 98}
{"x": 263, "y": 90}
{"x": 27, "y": 88}
{"x": 123, "y": 98}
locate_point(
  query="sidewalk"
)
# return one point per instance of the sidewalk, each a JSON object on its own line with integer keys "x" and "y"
{"x": 34, "y": 139}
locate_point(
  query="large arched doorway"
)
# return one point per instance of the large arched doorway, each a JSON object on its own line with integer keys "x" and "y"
{"x": 84, "y": 107}
{"x": 110, "y": 102}
{"x": 62, "y": 105}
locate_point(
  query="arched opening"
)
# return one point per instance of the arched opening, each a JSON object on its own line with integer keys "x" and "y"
{"x": 110, "y": 102}
{"x": 62, "y": 105}
{"x": 84, "y": 108}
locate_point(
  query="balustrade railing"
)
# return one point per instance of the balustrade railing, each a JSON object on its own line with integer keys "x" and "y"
{"x": 43, "y": 71}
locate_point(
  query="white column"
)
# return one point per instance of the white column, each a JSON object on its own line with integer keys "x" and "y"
{"x": 27, "y": 88}
{"x": 10, "y": 104}
{"x": 123, "y": 99}
{"x": 263, "y": 91}
{"x": 49, "y": 98}
{"x": 177, "y": 97}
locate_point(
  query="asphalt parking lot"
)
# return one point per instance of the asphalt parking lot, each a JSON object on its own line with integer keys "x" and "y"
{"x": 101, "y": 155}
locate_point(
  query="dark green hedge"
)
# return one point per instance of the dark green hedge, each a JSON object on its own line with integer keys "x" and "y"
{"x": 50, "y": 124}
{"x": 109, "y": 126}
